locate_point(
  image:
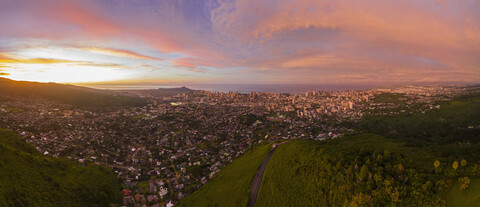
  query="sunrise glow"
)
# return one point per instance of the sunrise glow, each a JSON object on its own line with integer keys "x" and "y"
{"x": 241, "y": 41}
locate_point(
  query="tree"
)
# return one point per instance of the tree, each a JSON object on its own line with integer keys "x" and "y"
{"x": 400, "y": 168}
{"x": 436, "y": 164}
{"x": 464, "y": 182}
{"x": 360, "y": 200}
{"x": 455, "y": 165}
{"x": 463, "y": 163}
{"x": 378, "y": 178}
{"x": 363, "y": 172}
{"x": 386, "y": 155}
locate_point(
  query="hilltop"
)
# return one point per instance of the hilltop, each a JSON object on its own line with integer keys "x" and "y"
{"x": 67, "y": 94}
{"x": 158, "y": 93}
{"x": 28, "y": 178}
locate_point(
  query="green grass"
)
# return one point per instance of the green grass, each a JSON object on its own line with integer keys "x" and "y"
{"x": 144, "y": 186}
{"x": 28, "y": 178}
{"x": 323, "y": 173}
{"x": 469, "y": 197}
{"x": 231, "y": 186}
{"x": 305, "y": 173}
{"x": 389, "y": 98}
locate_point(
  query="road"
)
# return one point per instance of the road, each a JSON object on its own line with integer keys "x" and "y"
{"x": 257, "y": 181}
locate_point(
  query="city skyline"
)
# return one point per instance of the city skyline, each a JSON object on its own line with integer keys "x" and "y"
{"x": 241, "y": 42}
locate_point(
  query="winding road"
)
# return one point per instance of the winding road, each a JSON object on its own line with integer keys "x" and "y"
{"x": 257, "y": 181}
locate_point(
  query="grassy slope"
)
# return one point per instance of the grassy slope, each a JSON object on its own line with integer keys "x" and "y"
{"x": 73, "y": 95}
{"x": 231, "y": 186}
{"x": 469, "y": 197}
{"x": 303, "y": 173}
{"x": 28, "y": 178}
{"x": 306, "y": 173}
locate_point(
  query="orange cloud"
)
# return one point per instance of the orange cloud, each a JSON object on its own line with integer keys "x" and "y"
{"x": 7, "y": 60}
{"x": 193, "y": 62}
{"x": 36, "y": 61}
{"x": 120, "y": 53}
{"x": 183, "y": 62}
{"x": 401, "y": 34}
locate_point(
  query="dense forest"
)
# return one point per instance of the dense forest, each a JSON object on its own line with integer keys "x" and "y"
{"x": 28, "y": 178}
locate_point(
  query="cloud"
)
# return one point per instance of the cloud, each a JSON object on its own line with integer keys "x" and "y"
{"x": 354, "y": 36}
{"x": 193, "y": 62}
{"x": 35, "y": 61}
{"x": 314, "y": 40}
{"x": 48, "y": 61}
{"x": 101, "y": 65}
{"x": 117, "y": 52}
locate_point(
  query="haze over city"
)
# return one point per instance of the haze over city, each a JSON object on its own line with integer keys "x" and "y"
{"x": 241, "y": 42}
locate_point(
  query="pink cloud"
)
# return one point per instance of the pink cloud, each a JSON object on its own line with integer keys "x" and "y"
{"x": 364, "y": 35}
{"x": 331, "y": 39}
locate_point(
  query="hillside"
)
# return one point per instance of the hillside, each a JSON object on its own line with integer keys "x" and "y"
{"x": 364, "y": 170}
{"x": 68, "y": 94}
{"x": 28, "y": 178}
{"x": 456, "y": 121}
{"x": 231, "y": 186}
{"x": 418, "y": 159}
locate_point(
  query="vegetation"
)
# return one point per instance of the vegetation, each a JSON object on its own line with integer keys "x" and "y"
{"x": 231, "y": 186}
{"x": 406, "y": 159}
{"x": 457, "y": 196}
{"x": 455, "y": 122}
{"x": 363, "y": 170}
{"x": 28, "y": 178}
{"x": 68, "y": 94}
{"x": 413, "y": 159}
{"x": 394, "y": 98}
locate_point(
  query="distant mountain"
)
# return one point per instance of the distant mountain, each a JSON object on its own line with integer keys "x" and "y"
{"x": 68, "y": 94}
{"x": 171, "y": 91}
{"x": 159, "y": 93}
{"x": 29, "y": 178}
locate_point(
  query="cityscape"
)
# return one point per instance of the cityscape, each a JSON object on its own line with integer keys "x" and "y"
{"x": 170, "y": 147}
{"x": 239, "y": 103}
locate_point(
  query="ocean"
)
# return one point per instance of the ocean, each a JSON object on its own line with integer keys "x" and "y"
{"x": 292, "y": 89}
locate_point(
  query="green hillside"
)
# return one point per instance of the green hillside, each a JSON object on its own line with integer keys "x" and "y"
{"x": 396, "y": 167}
{"x": 363, "y": 170}
{"x": 28, "y": 178}
{"x": 455, "y": 121}
{"x": 68, "y": 94}
{"x": 469, "y": 197}
{"x": 231, "y": 186}
{"x": 418, "y": 159}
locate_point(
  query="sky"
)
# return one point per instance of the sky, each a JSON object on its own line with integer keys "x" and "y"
{"x": 240, "y": 41}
